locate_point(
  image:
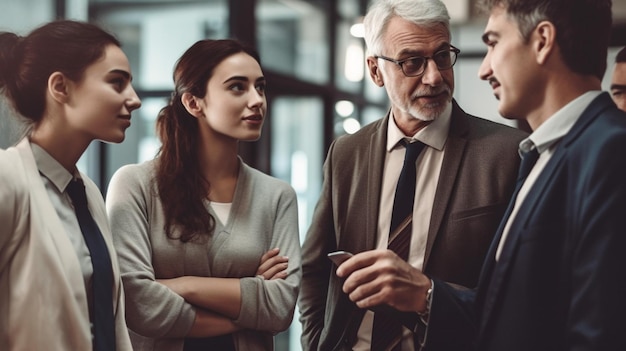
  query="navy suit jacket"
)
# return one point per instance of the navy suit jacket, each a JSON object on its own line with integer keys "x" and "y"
{"x": 560, "y": 282}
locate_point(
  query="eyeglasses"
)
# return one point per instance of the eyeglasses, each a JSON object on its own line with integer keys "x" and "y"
{"x": 416, "y": 65}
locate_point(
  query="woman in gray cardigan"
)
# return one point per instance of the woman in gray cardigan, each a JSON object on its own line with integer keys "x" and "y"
{"x": 208, "y": 246}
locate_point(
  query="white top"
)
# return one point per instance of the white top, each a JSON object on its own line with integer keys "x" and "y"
{"x": 222, "y": 210}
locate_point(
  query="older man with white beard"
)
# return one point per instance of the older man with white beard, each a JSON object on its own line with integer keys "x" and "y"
{"x": 440, "y": 209}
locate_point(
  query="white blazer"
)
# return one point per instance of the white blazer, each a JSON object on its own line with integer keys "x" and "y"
{"x": 43, "y": 304}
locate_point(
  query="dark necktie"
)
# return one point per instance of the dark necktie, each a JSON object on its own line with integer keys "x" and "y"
{"x": 101, "y": 309}
{"x": 387, "y": 330}
{"x": 529, "y": 158}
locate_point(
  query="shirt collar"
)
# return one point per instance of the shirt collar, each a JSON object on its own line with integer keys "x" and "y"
{"x": 559, "y": 124}
{"x": 51, "y": 168}
{"x": 434, "y": 135}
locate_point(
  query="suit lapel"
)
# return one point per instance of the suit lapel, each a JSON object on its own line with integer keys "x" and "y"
{"x": 376, "y": 149}
{"x": 52, "y": 232}
{"x": 376, "y": 161}
{"x": 454, "y": 150}
{"x": 494, "y": 273}
{"x": 485, "y": 296}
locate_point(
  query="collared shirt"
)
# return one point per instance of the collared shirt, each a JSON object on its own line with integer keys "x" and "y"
{"x": 545, "y": 139}
{"x": 428, "y": 168}
{"x": 55, "y": 179}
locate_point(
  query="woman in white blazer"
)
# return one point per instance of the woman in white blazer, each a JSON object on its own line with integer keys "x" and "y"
{"x": 71, "y": 82}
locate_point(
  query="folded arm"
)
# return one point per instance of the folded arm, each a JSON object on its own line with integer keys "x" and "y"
{"x": 223, "y": 295}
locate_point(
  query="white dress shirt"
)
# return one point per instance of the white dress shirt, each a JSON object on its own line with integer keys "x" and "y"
{"x": 55, "y": 179}
{"x": 545, "y": 139}
{"x": 429, "y": 163}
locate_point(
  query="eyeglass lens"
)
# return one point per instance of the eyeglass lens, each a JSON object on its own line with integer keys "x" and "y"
{"x": 417, "y": 65}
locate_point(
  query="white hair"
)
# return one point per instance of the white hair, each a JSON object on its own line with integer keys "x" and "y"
{"x": 428, "y": 13}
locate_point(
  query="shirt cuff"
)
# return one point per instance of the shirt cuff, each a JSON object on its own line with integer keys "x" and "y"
{"x": 421, "y": 325}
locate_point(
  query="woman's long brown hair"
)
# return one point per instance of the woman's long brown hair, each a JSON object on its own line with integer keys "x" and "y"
{"x": 180, "y": 183}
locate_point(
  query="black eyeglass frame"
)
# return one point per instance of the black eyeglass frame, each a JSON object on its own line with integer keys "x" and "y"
{"x": 400, "y": 63}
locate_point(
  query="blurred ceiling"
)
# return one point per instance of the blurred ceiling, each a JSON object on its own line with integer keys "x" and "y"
{"x": 461, "y": 11}
{"x": 465, "y": 11}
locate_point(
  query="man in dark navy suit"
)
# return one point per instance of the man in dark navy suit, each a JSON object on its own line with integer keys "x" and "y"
{"x": 554, "y": 276}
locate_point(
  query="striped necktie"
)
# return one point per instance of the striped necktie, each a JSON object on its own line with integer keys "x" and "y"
{"x": 387, "y": 330}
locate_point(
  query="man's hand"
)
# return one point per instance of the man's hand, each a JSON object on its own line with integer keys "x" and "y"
{"x": 380, "y": 277}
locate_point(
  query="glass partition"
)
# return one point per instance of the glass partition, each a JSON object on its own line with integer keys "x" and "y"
{"x": 156, "y": 34}
{"x": 292, "y": 38}
{"x": 297, "y": 157}
{"x": 153, "y": 36}
{"x": 297, "y": 149}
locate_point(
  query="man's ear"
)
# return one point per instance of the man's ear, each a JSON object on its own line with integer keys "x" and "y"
{"x": 192, "y": 105}
{"x": 58, "y": 87}
{"x": 374, "y": 69}
{"x": 544, "y": 41}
